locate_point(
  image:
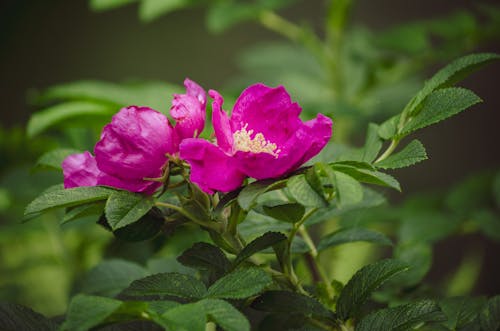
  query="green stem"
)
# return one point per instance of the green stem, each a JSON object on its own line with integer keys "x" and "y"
{"x": 314, "y": 254}
{"x": 388, "y": 151}
{"x": 211, "y": 225}
{"x": 210, "y": 326}
{"x": 295, "y": 33}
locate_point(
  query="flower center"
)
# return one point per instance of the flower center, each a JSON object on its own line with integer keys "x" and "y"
{"x": 243, "y": 142}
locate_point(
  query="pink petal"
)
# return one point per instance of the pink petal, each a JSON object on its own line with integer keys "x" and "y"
{"x": 266, "y": 110}
{"x": 134, "y": 144}
{"x": 140, "y": 186}
{"x": 221, "y": 124}
{"x": 80, "y": 170}
{"x": 211, "y": 169}
{"x": 188, "y": 110}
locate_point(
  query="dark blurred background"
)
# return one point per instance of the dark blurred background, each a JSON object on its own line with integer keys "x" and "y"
{"x": 55, "y": 41}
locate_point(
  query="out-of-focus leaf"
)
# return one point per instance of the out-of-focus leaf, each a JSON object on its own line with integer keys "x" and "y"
{"x": 373, "y": 143}
{"x": 427, "y": 226}
{"x": 418, "y": 255}
{"x": 150, "y": 10}
{"x": 471, "y": 194}
{"x": 359, "y": 288}
{"x": 124, "y": 208}
{"x": 489, "y": 223}
{"x": 402, "y": 318}
{"x": 54, "y": 158}
{"x": 240, "y": 284}
{"x": 347, "y": 235}
{"x": 48, "y": 117}
{"x": 102, "y": 5}
{"x": 110, "y": 277}
{"x": 223, "y": 15}
{"x": 412, "y": 153}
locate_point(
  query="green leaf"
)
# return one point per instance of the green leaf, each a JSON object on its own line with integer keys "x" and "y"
{"x": 124, "y": 208}
{"x": 290, "y": 303}
{"x": 250, "y": 193}
{"x": 150, "y": 10}
{"x": 402, "y": 318}
{"x": 413, "y": 153}
{"x": 303, "y": 192}
{"x": 16, "y": 317}
{"x": 147, "y": 227}
{"x": 46, "y": 118}
{"x": 359, "y": 288}
{"x": 187, "y": 317}
{"x": 418, "y": 255}
{"x": 90, "y": 209}
{"x": 59, "y": 198}
{"x": 239, "y": 284}
{"x": 223, "y": 15}
{"x": 348, "y": 235}
{"x": 54, "y": 158}
{"x": 102, "y": 5}
{"x": 167, "y": 284}
{"x": 367, "y": 176}
{"x": 288, "y": 212}
{"x": 87, "y": 311}
{"x": 267, "y": 240}
{"x": 440, "y": 105}
{"x": 225, "y": 315}
{"x": 113, "y": 95}
{"x": 461, "y": 311}
{"x": 205, "y": 256}
{"x": 373, "y": 143}
{"x": 110, "y": 277}
{"x": 427, "y": 226}
{"x": 490, "y": 315}
{"x": 389, "y": 128}
{"x": 348, "y": 190}
{"x": 449, "y": 75}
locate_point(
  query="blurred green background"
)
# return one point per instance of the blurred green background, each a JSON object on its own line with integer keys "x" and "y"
{"x": 44, "y": 43}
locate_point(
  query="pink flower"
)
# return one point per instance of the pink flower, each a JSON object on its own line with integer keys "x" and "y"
{"x": 133, "y": 148}
{"x": 188, "y": 110}
{"x": 264, "y": 138}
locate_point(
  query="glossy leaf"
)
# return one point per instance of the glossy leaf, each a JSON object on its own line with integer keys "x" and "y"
{"x": 461, "y": 311}
{"x": 17, "y": 317}
{"x": 303, "y": 192}
{"x": 205, "y": 256}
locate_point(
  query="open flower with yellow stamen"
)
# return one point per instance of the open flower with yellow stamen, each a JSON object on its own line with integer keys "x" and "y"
{"x": 264, "y": 138}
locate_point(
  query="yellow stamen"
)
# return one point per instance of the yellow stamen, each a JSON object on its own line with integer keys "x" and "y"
{"x": 243, "y": 142}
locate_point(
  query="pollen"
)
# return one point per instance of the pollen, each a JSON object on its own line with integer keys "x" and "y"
{"x": 244, "y": 142}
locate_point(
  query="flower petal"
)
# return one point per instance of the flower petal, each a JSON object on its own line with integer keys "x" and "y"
{"x": 80, "y": 170}
{"x": 140, "y": 186}
{"x": 221, "y": 124}
{"x": 188, "y": 110}
{"x": 134, "y": 144}
{"x": 266, "y": 110}
{"x": 211, "y": 169}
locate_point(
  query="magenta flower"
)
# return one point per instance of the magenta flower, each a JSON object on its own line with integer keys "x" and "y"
{"x": 264, "y": 138}
{"x": 188, "y": 110}
{"x": 133, "y": 148}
